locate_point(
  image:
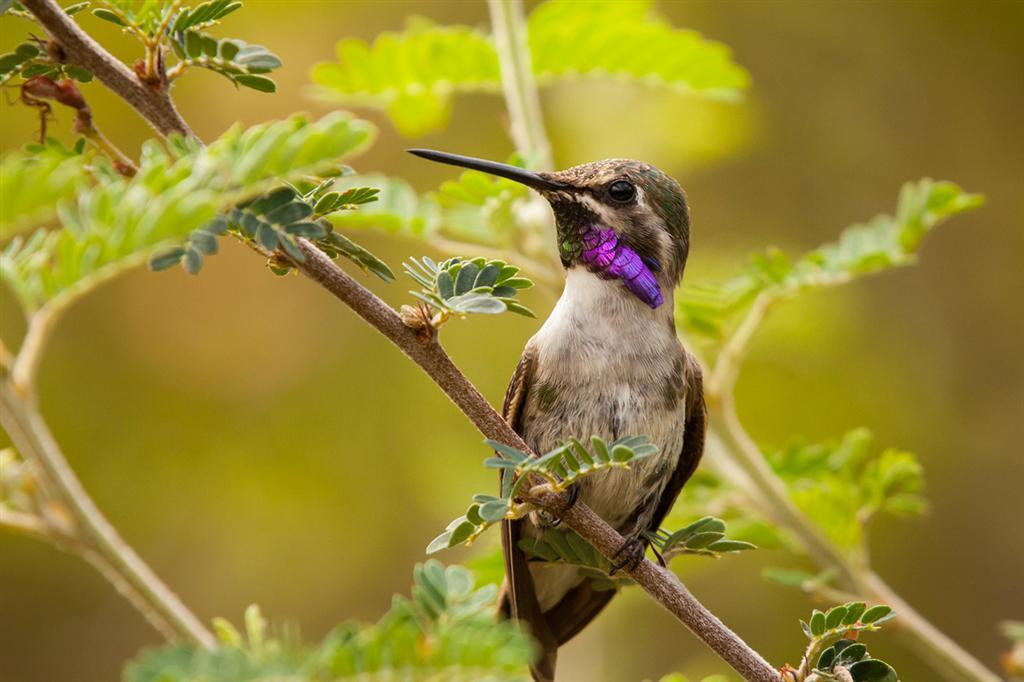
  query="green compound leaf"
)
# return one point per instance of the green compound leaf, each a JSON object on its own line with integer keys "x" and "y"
{"x": 335, "y": 244}
{"x": 413, "y": 74}
{"x": 461, "y": 286}
{"x": 559, "y": 468}
{"x": 837, "y": 655}
{"x": 704, "y": 537}
{"x": 445, "y": 608}
{"x": 12, "y": 63}
{"x": 35, "y": 180}
{"x": 203, "y": 15}
{"x": 627, "y": 41}
{"x": 114, "y": 223}
{"x": 240, "y": 62}
{"x": 710, "y": 311}
{"x": 842, "y": 484}
{"x": 397, "y": 208}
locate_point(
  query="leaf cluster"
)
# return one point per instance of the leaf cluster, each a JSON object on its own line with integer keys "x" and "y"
{"x": 143, "y": 18}
{"x": 37, "y": 180}
{"x": 833, "y": 652}
{"x": 459, "y": 286}
{"x": 275, "y": 220}
{"x": 29, "y": 60}
{"x": 444, "y": 631}
{"x": 398, "y": 208}
{"x": 16, "y": 9}
{"x": 412, "y": 75}
{"x": 156, "y": 23}
{"x": 475, "y": 208}
{"x": 705, "y": 536}
{"x": 114, "y": 222}
{"x": 240, "y": 62}
{"x": 559, "y": 468}
{"x": 567, "y": 463}
{"x": 841, "y": 485}
{"x": 711, "y": 311}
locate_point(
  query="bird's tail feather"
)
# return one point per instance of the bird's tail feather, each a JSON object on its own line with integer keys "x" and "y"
{"x": 519, "y": 601}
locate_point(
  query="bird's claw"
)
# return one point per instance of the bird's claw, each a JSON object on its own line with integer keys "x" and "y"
{"x": 632, "y": 553}
{"x": 574, "y": 496}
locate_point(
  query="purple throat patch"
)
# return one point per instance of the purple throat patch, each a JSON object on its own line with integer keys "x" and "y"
{"x": 602, "y": 253}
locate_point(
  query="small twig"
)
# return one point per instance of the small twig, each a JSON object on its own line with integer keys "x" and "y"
{"x": 154, "y": 72}
{"x": 30, "y": 435}
{"x": 769, "y": 494}
{"x": 26, "y": 363}
{"x": 723, "y": 377}
{"x": 6, "y": 359}
{"x": 526, "y": 122}
{"x": 27, "y": 524}
{"x": 134, "y": 597}
{"x": 80, "y": 49}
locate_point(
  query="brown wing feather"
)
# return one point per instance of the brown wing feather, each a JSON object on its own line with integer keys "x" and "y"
{"x": 693, "y": 440}
{"x": 518, "y": 598}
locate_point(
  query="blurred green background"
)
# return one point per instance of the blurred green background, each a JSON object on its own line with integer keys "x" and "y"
{"x": 257, "y": 443}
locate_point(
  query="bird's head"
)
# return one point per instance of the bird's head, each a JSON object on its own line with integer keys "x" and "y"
{"x": 619, "y": 218}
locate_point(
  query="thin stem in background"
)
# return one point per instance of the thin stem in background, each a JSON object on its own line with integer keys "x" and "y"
{"x": 517, "y": 81}
{"x": 102, "y": 544}
{"x": 934, "y": 647}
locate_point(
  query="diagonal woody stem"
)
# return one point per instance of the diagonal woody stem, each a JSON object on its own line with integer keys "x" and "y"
{"x": 431, "y": 357}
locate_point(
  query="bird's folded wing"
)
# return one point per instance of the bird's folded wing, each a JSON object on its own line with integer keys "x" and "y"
{"x": 518, "y": 598}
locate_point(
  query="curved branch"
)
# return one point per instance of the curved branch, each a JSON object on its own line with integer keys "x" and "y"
{"x": 100, "y": 543}
{"x": 26, "y": 362}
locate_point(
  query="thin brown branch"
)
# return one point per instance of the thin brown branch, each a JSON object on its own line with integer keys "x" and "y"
{"x": 78, "y": 48}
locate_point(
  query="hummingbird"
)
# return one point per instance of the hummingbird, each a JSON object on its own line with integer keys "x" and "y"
{"x": 606, "y": 362}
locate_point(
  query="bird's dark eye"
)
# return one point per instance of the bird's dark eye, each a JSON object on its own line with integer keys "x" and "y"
{"x": 622, "y": 191}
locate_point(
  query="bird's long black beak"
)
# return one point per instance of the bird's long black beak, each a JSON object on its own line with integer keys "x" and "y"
{"x": 503, "y": 170}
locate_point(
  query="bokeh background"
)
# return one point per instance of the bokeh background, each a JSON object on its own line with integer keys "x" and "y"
{"x": 257, "y": 443}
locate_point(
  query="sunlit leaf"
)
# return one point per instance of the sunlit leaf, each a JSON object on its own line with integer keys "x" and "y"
{"x": 412, "y": 75}
{"x": 114, "y": 223}
{"x": 445, "y": 608}
{"x": 709, "y": 311}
